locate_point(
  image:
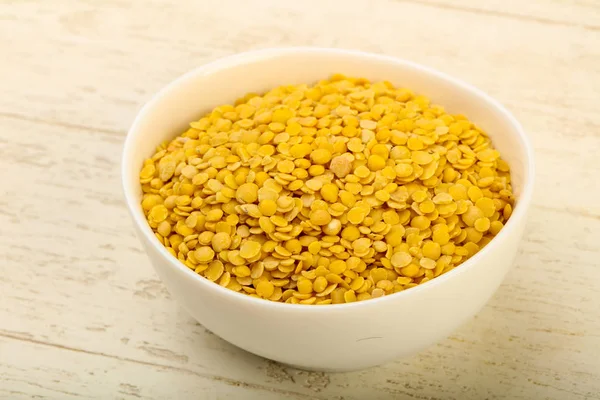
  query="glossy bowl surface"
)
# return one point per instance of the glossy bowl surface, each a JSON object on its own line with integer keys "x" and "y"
{"x": 344, "y": 336}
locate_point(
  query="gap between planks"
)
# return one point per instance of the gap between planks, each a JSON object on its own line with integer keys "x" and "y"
{"x": 25, "y": 118}
{"x": 501, "y": 14}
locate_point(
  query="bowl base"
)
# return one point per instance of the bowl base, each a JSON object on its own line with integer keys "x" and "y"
{"x": 327, "y": 370}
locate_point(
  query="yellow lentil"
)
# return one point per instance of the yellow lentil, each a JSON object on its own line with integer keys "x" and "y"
{"x": 204, "y": 254}
{"x": 250, "y": 249}
{"x": 265, "y": 289}
{"x": 376, "y": 162}
{"x": 482, "y": 224}
{"x": 401, "y": 259}
{"x": 342, "y": 191}
{"x": 495, "y": 227}
{"x": 320, "y": 156}
{"x": 350, "y": 296}
{"x": 305, "y": 286}
{"x": 432, "y": 250}
{"x": 320, "y": 284}
{"x": 320, "y": 217}
{"x": 220, "y": 241}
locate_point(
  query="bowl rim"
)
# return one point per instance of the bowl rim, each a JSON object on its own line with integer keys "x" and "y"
{"x": 519, "y": 212}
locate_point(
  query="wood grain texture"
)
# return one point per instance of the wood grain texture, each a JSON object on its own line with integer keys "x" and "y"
{"x": 82, "y": 314}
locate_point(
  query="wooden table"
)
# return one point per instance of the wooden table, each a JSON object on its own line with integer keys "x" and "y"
{"x": 83, "y": 315}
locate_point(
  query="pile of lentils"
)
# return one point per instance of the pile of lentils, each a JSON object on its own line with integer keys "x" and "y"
{"x": 339, "y": 192}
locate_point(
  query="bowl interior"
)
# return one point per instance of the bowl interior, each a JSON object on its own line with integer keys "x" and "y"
{"x": 222, "y": 82}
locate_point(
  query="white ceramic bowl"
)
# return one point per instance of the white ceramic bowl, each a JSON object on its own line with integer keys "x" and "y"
{"x": 343, "y": 336}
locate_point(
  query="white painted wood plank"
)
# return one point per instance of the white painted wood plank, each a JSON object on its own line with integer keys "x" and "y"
{"x": 582, "y": 14}
{"x": 79, "y": 374}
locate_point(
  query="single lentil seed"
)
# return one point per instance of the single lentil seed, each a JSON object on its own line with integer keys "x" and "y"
{"x": 221, "y": 241}
{"x": 265, "y": 289}
{"x": 482, "y": 224}
{"x": 250, "y": 249}
{"x": 401, "y": 259}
